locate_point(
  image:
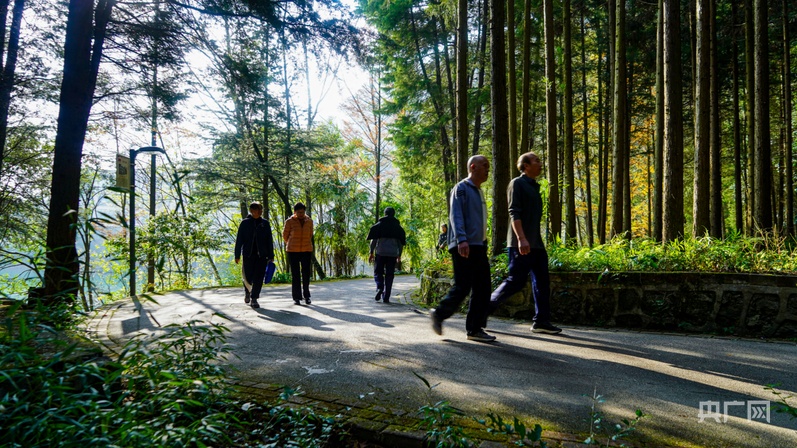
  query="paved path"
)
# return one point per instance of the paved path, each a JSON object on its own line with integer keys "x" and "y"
{"x": 346, "y": 345}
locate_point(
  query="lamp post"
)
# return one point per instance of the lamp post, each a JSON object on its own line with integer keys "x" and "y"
{"x": 133, "y": 154}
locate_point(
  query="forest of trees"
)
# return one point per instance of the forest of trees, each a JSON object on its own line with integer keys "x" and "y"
{"x": 663, "y": 120}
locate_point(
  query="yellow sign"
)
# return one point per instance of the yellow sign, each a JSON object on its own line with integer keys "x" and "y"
{"x": 122, "y": 171}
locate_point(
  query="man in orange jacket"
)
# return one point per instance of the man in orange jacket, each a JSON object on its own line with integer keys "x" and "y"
{"x": 298, "y": 236}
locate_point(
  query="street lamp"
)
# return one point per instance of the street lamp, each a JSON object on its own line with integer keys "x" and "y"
{"x": 133, "y": 154}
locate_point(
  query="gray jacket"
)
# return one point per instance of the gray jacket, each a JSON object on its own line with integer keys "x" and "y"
{"x": 466, "y": 221}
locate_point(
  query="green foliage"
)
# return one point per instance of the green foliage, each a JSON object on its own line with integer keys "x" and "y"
{"x": 599, "y": 427}
{"x": 517, "y": 430}
{"x": 437, "y": 419}
{"x": 165, "y": 390}
{"x": 176, "y": 242}
{"x": 733, "y": 254}
{"x": 284, "y": 425}
{"x": 783, "y": 405}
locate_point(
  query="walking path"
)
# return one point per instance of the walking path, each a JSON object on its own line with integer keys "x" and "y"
{"x": 352, "y": 355}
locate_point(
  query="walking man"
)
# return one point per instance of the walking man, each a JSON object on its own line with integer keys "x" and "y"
{"x": 387, "y": 241}
{"x": 467, "y": 243}
{"x": 298, "y": 236}
{"x": 255, "y": 243}
{"x": 527, "y": 254}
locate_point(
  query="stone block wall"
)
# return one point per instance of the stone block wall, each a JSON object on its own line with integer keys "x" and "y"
{"x": 740, "y": 304}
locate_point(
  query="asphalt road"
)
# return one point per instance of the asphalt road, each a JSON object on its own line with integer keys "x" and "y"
{"x": 347, "y": 345}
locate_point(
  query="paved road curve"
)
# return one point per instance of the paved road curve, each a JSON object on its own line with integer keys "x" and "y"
{"x": 347, "y": 345}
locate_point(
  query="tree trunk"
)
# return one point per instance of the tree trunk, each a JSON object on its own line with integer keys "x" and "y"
{"x": 715, "y": 140}
{"x": 500, "y": 131}
{"x": 81, "y": 64}
{"x": 510, "y": 52}
{"x": 587, "y": 164}
{"x": 602, "y": 158}
{"x": 763, "y": 164}
{"x": 737, "y": 138}
{"x": 477, "y": 121}
{"x": 8, "y": 69}
{"x": 749, "y": 55}
{"x": 673, "y": 182}
{"x": 462, "y": 88}
{"x": 554, "y": 207}
{"x": 787, "y": 110}
{"x": 659, "y": 136}
{"x": 619, "y": 123}
{"x": 700, "y": 204}
{"x": 570, "y": 178}
{"x": 525, "y": 104}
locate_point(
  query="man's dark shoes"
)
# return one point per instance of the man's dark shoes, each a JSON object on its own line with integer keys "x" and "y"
{"x": 378, "y": 296}
{"x": 307, "y": 300}
{"x": 297, "y": 302}
{"x": 544, "y": 327}
{"x": 437, "y": 323}
{"x": 254, "y": 304}
{"x": 480, "y": 336}
{"x": 246, "y": 296}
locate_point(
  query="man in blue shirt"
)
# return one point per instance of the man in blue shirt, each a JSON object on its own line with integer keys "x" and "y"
{"x": 527, "y": 254}
{"x": 467, "y": 243}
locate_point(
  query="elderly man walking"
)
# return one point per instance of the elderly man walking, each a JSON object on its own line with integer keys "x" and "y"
{"x": 467, "y": 243}
{"x": 527, "y": 255}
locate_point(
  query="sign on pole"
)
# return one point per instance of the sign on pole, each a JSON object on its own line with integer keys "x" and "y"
{"x": 122, "y": 171}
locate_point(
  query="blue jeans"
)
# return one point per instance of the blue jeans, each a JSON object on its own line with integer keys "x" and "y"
{"x": 471, "y": 275}
{"x": 384, "y": 271}
{"x": 521, "y": 267}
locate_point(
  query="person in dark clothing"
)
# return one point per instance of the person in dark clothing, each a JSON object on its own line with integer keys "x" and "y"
{"x": 387, "y": 241}
{"x": 255, "y": 243}
{"x": 442, "y": 239}
{"x": 527, "y": 254}
{"x": 467, "y": 244}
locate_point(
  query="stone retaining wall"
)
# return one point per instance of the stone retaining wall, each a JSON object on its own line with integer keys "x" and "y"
{"x": 741, "y": 304}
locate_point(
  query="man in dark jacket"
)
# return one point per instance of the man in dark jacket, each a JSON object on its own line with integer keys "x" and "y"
{"x": 387, "y": 241}
{"x": 527, "y": 254}
{"x": 255, "y": 243}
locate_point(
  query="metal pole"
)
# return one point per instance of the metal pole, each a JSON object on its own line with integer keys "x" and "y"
{"x": 150, "y": 257}
{"x": 133, "y": 153}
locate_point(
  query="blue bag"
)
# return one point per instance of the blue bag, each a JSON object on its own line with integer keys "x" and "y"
{"x": 270, "y": 269}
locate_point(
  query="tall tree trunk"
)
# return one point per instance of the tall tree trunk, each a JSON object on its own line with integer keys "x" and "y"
{"x": 787, "y": 111}
{"x": 9, "y": 67}
{"x": 477, "y": 121}
{"x": 673, "y": 183}
{"x": 715, "y": 140}
{"x": 603, "y": 183}
{"x": 700, "y": 204}
{"x": 587, "y": 164}
{"x": 749, "y": 55}
{"x": 462, "y": 88}
{"x": 500, "y": 131}
{"x": 763, "y": 163}
{"x": 445, "y": 143}
{"x": 510, "y": 52}
{"x": 569, "y": 158}
{"x": 451, "y": 96}
{"x": 619, "y": 122}
{"x": 737, "y": 138}
{"x": 658, "y": 161}
{"x": 554, "y": 207}
{"x": 526, "y": 81}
